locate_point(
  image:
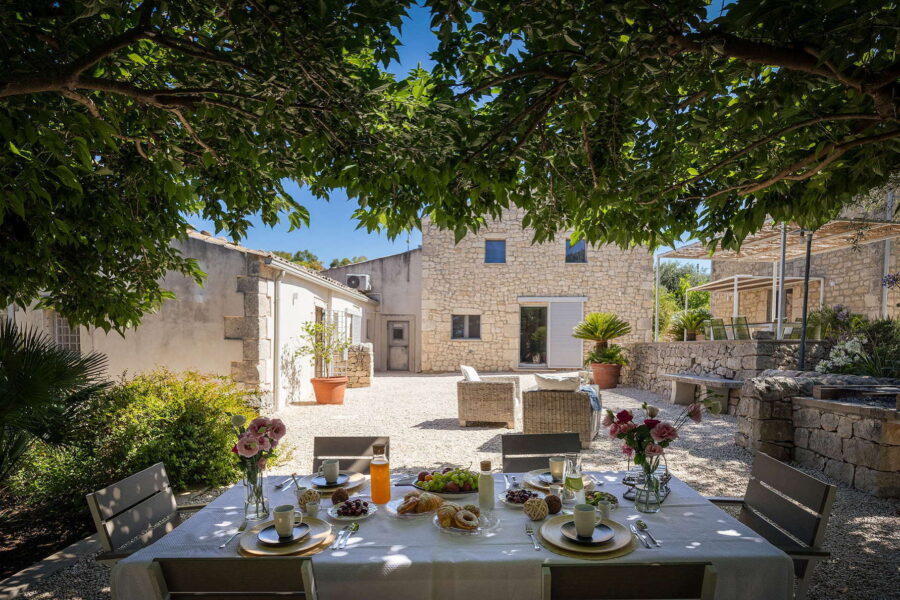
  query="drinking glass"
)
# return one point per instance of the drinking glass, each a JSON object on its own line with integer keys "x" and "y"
{"x": 574, "y": 476}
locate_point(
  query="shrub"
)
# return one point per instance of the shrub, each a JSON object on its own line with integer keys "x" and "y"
{"x": 600, "y": 328}
{"x": 691, "y": 320}
{"x": 180, "y": 420}
{"x": 863, "y": 347}
{"x": 613, "y": 354}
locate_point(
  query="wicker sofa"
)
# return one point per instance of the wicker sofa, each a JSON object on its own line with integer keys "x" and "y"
{"x": 491, "y": 400}
{"x": 555, "y": 411}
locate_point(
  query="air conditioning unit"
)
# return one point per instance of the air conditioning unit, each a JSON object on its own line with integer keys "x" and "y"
{"x": 359, "y": 282}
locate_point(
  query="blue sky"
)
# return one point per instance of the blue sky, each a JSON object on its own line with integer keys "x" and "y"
{"x": 332, "y": 231}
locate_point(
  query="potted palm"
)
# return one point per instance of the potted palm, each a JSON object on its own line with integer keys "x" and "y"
{"x": 606, "y": 360}
{"x": 323, "y": 341}
{"x": 686, "y": 323}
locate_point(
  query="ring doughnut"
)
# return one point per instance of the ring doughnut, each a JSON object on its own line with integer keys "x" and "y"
{"x": 465, "y": 519}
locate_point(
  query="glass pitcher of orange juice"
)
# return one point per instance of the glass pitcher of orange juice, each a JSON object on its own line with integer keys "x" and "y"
{"x": 380, "y": 476}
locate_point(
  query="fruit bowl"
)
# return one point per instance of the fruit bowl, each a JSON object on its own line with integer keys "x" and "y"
{"x": 449, "y": 482}
{"x": 356, "y": 504}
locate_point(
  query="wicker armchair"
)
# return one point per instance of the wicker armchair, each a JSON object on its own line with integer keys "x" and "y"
{"x": 491, "y": 400}
{"x": 555, "y": 411}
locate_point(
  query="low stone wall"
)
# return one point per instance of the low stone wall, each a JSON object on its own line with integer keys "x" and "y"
{"x": 730, "y": 359}
{"x": 359, "y": 366}
{"x": 856, "y": 444}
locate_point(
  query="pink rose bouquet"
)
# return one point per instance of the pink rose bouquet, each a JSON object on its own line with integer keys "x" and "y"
{"x": 255, "y": 445}
{"x": 645, "y": 440}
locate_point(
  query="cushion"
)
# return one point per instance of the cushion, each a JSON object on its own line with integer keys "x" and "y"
{"x": 566, "y": 383}
{"x": 469, "y": 374}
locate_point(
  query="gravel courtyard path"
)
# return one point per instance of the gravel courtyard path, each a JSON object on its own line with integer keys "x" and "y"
{"x": 418, "y": 412}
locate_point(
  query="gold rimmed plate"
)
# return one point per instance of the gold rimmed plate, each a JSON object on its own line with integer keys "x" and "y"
{"x": 320, "y": 535}
{"x": 353, "y": 481}
{"x": 551, "y": 532}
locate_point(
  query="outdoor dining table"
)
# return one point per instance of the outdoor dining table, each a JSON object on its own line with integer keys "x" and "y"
{"x": 391, "y": 558}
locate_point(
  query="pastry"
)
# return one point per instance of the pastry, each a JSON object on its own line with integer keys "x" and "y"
{"x": 412, "y": 494}
{"x": 408, "y": 506}
{"x": 428, "y": 502}
{"x": 473, "y": 509}
{"x": 464, "y": 519}
{"x": 309, "y": 496}
{"x": 554, "y": 504}
{"x": 536, "y": 509}
{"x": 339, "y": 496}
{"x": 445, "y": 515}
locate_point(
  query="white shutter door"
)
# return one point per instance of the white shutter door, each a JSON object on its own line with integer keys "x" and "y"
{"x": 563, "y": 351}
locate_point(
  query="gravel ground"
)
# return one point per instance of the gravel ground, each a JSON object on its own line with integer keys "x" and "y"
{"x": 418, "y": 412}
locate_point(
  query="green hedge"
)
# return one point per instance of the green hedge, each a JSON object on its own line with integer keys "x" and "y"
{"x": 180, "y": 420}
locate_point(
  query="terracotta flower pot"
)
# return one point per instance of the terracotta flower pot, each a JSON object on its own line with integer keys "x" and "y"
{"x": 691, "y": 336}
{"x": 329, "y": 390}
{"x": 606, "y": 376}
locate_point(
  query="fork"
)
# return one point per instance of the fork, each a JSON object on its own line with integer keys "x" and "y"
{"x": 234, "y": 535}
{"x": 529, "y": 530}
{"x": 286, "y": 483}
{"x": 354, "y": 527}
{"x": 337, "y": 541}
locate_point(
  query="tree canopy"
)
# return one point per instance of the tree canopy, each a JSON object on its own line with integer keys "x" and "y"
{"x": 304, "y": 258}
{"x": 627, "y": 121}
{"x": 343, "y": 262}
{"x": 118, "y": 118}
{"x": 641, "y": 121}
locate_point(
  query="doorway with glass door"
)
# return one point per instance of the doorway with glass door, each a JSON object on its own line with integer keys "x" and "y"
{"x": 545, "y": 334}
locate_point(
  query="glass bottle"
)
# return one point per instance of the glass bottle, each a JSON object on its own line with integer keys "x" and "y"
{"x": 486, "y": 487}
{"x": 574, "y": 477}
{"x": 380, "y": 476}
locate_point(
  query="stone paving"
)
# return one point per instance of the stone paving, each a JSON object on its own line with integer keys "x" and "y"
{"x": 419, "y": 413}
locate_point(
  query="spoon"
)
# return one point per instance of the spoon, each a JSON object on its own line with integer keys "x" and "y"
{"x": 643, "y": 527}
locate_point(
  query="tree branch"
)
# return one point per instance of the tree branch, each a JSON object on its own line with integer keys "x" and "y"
{"x": 588, "y": 154}
{"x": 187, "y": 127}
{"x": 512, "y": 76}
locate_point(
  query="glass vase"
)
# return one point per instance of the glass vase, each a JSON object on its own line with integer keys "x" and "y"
{"x": 646, "y": 494}
{"x": 256, "y": 505}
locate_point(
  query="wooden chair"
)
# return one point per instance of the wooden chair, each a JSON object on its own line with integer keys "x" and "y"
{"x": 354, "y": 453}
{"x": 526, "y": 452}
{"x": 741, "y": 328}
{"x": 234, "y": 578}
{"x": 694, "y": 581}
{"x": 788, "y": 508}
{"x": 134, "y": 512}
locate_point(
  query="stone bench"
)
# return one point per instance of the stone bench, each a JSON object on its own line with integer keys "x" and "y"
{"x": 684, "y": 386}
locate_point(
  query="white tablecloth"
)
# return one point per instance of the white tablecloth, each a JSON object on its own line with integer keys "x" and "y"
{"x": 391, "y": 558}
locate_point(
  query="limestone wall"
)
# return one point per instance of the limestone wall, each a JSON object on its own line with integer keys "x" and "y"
{"x": 856, "y": 444}
{"x": 456, "y": 280}
{"x": 359, "y": 366}
{"x": 731, "y": 359}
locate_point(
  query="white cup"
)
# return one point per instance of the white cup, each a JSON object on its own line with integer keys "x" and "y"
{"x": 603, "y": 508}
{"x": 557, "y": 467}
{"x": 329, "y": 470}
{"x": 284, "y": 520}
{"x": 585, "y": 520}
{"x": 312, "y": 509}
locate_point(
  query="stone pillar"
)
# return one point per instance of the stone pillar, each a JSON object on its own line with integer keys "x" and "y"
{"x": 359, "y": 366}
{"x": 765, "y": 416}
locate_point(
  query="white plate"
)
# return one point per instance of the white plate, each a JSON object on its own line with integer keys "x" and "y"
{"x": 332, "y": 512}
{"x": 486, "y": 522}
{"x": 502, "y": 498}
{"x": 391, "y": 508}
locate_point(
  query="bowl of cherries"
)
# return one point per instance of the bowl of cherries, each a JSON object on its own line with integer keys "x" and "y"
{"x": 352, "y": 510}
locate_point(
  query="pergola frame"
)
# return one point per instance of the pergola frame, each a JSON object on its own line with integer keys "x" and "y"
{"x": 743, "y": 283}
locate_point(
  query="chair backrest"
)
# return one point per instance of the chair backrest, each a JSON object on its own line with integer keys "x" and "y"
{"x": 693, "y": 581}
{"x": 130, "y": 508}
{"x": 793, "y": 503}
{"x": 717, "y": 329}
{"x": 234, "y": 578}
{"x": 741, "y": 328}
{"x": 528, "y": 451}
{"x": 354, "y": 452}
{"x": 795, "y": 330}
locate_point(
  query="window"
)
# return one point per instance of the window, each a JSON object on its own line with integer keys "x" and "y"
{"x": 577, "y": 252}
{"x": 66, "y": 337}
{"x": 466, "y": 327}
{"x": 495, "y": 251}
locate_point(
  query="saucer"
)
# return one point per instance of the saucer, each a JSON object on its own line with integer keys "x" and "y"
{"x": 269, "y": 537}
{"x": 601, "y": 534}
{"x": 319, "y": 481}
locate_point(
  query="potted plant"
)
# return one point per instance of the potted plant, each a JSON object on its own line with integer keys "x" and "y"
{"x": 323, "y": 341}
{"x": 687, "y": 323}
{"x": 606, "y": 361}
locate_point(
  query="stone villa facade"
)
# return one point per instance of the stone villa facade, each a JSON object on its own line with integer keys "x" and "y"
{"x": 471, "y": 308}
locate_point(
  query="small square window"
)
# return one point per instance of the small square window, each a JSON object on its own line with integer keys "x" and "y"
{"x": 495, "y": 251}
{"x": 465, "y": 327}
{"x": 577, "y": 252}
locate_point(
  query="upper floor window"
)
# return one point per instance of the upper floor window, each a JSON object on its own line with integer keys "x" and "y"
{"x": 465, "y": 327}
{"x": 66, "y": 336}
{"x": 495, "y": 251}
{"x": 577, "y": 252}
